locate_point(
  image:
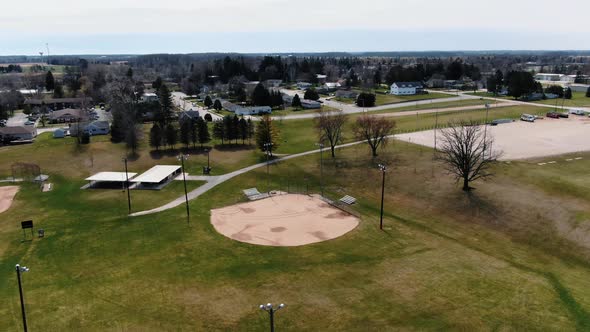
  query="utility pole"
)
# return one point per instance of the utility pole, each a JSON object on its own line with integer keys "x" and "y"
{"x": 383, "y": 168}
{"x": 20, "y": 269}
{"x": 127, "y": 185}
{"x": 268, "y": 149}
{"x": 321, "y": 145}
{"x": 182, "y": 157}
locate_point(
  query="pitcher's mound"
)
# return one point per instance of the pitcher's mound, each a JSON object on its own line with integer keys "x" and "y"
{"x": 284, "y": 220}
{"x": 6, "y": 196}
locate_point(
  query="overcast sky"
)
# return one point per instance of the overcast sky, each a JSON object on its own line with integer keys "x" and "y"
{"x": 183, "y": 26}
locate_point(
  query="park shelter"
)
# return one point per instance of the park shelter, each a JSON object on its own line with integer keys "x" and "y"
{"x": 109, "y": 180}
{"x": 157, "y": 177}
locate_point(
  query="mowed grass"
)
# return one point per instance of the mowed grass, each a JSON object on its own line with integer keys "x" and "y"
{"x": 445, "y": 261}
{"x": 385, "y": 99}
{"x": 579, "y": 99}
{"x": 301, "y": 135}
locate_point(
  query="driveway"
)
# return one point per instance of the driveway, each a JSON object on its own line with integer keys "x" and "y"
{"x": 178, "y": 99}
{"x": 18, "y": 119}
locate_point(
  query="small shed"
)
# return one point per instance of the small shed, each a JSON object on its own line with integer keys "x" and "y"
{"x": 59, "y": 133}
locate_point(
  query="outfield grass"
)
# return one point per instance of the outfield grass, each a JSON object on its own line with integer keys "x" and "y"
{"x": 446, "y": 260}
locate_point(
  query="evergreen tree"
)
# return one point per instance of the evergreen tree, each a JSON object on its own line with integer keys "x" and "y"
{"x": 568, "y": 93}
{"x": 185, "y": 133}
{"x": 166, "y": 105}
{"x": 49, "y": 81}
{"x": 58, "y": 91}
{"x": 311, "y": 94}
{"x": 365, "y": 99}
{"x": 235, "y": 128}
{"x": 243, "y": 129}
{"x": 251, "y": 130}
{"x": 377, "y": 77}
{"x": 171, "y": 134}
{"x": 208, "y": 102}
{"x": 219, "y": 130}
{"x": 117, "y": 128}
{"x": 588, "y": 92}
{"x": 157, "y": 84}
{"x": 203, "y": 130}
{"x": 266, "y": 132}
{"x": 132, "y": 137}
{"x": 217, "y": 105}
{"x": 261, "y": 96}
{"x": 156, "y": 136}
{"x": 296, "y": 102}
{"x": 129, "y": 73}
{"x": 194, "y": 132}
{"x": 520, "y": 83}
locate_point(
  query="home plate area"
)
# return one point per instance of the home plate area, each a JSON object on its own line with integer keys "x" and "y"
{"x": 283, "y": 220}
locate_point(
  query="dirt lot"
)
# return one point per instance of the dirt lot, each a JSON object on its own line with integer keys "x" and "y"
{"x": 7, "y": 194}
{"x": 283, "y": 220}
{"x": 522, "y": 140}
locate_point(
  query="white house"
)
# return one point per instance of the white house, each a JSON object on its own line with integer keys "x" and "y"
{"x": 304, "y": 85}
{"x": 93, "y": 128}
{"x": 253, "y": 110}
{"x": 406, "y": 88}
{"x": 149, "y": 97}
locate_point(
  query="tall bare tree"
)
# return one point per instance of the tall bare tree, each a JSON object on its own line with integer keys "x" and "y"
{"x": 329, "y": 126}
{"x": 466, "y": 152}
{"x": 373, "y": 129}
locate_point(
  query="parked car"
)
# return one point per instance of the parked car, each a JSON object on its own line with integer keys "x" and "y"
{"x": 563, "y": 115}
{"x": 577, "y": 112}
{"x": 30, "y": 123}
{"x": 553, "y": 115}
{"x": 527, "y": 118}
{"x": 500, "y": 121}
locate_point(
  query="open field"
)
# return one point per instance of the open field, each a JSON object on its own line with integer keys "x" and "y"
{"x": 446, "y": 260}
{"x": 523, "y": 140}
{"x": 300, "y": 135}
{"x": 384, "y": 99}
{"x": 579, "y": 99}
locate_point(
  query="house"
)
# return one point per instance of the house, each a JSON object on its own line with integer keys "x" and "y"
{"x": 98, "y": 128}
{"x": 303, "y": 85}
{"x": 310, "y": 104}
{"x": 60, "y": 133}
{"x": 18, "y": 133}
{"x": 435, "y": 83}
{"x": 149, "y": 97}
{"x": 346, "y": 94}
{"x": 188, "y": 116}
{"x": 331, "y": 86}
{"x": 59, "y": 103}
{"x": 67, "y": 115}
{"x": 253, "y": 110}
{"x": 93, "y": 128}
{"x": 406, "y": 88}
{"x": 321, "y": 78}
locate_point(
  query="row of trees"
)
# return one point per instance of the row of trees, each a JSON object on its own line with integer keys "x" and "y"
{"x": 233, "y": 128}
{"x": 190, "y": 132}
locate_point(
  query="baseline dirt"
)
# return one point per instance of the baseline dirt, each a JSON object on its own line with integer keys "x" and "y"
{"x": 7, "y": 194}
{"x": 283, "y": 220}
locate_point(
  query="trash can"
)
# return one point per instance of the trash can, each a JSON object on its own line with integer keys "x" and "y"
{"x": 41, "y": 232}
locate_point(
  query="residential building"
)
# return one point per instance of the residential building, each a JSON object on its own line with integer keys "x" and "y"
{"x": 272, "y": 83}
{"x": 188, "y": 116}
{"x": 59, "y": 103}
{"x": 93, "y": 128}
{"x": 246, "y": 110}
{"x": 304, "y": 85}
{"x": 17, "y": 133}
{"x": 406, "y": 88}
{"x": 67, "y": 115}
{"x": 310, "y": 104}
{"x": 250, "y": 86}
{"x": 321, "y": 78}
{"x": 347, "y": 94}
{"x": 149, "y": 97}
{"x": 331, "y": 86}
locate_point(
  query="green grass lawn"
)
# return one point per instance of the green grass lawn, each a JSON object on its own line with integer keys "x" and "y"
{"x": 579, "y": 99}
{"x": 385, "y": 99}
{"x": 497, "y": 259}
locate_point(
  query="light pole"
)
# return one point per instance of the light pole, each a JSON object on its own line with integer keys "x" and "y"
{"x": 127, "y": 185}
{"x": 182, "y": 158}
{"x": 268, "y": 149}
{"x": 271, "y": 311}
{"x": 20, "y": 269}
{"x": 383, "y": 168}
{"x": 485, "y": 130}
{"x": 208, "y": 167}
{"x": 321, "y": 145}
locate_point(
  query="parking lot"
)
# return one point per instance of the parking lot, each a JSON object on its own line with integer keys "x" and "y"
{"x": 523, "y": 140}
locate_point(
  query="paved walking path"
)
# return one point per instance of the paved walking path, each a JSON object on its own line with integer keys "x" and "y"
{"x": 213, "y": 181}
